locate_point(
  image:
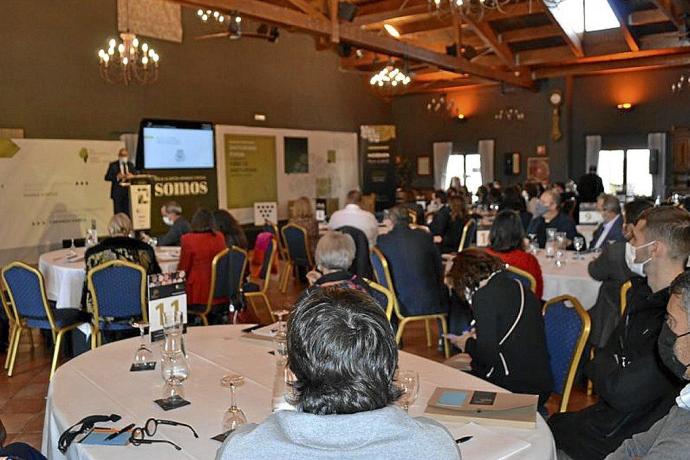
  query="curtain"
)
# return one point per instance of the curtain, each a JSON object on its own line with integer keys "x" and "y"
{"x": 593, "y": 145}
{"x": 130, "y": 141}
{"x": 657, "y": 141}
{"x": 442, "y": 151}
{"x": 486, "y": 155}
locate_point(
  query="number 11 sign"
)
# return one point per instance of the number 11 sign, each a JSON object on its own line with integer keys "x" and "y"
{"x": 166, "y": 295}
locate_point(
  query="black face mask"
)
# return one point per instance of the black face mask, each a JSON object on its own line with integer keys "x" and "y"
{"x": 666, "y": 342}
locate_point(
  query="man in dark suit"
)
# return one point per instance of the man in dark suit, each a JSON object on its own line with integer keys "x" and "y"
{"x": 441, "y": 219}
{"x": 118, "y": 173}
{"x": 590, "y": 186}
{"x": 415, "y": 266}
{"x": 548, "y": 215}
{"x": 611, "y": 229}
{"x": 171, "y": 212}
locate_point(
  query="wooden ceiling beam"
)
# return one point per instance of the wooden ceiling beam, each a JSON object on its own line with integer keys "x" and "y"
{"x": 307, "y": 7}
{"x": 668, "y": 8}
{"x": 486, "y": 33}
{"x": 572, "y": 38}
{"x": 355, "y": 36}
{"x": 515, "y": 9}
{"x": 426, "y": 25}
{"x": 644, "y": 17}
{"x": 529, "y": 33}
{"x": 621, "y": 12}
{"x": 387, "y": 10}
{"x": 544, "y": 56}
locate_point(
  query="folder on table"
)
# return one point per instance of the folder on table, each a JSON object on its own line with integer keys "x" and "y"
{"x": 483, "y": 407}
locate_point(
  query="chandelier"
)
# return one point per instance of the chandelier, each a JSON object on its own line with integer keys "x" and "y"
{"x": 205, "y": 15}
{"x": 681, "y": 84}
{"x": 390, "y": 76}
{"x": 510, "y": 114}
{"x": 441, "y": 105}
{"x": 126, "y": 62}
{"x": 469, "y": 7}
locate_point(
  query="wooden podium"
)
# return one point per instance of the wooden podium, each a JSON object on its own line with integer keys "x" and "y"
{"x": 140, "y": 200}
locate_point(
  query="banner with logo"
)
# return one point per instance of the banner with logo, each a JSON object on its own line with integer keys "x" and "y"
{"x": 50, "y": 190}
{"x": 140, "y": 205}
{"x": 377, "y": 156}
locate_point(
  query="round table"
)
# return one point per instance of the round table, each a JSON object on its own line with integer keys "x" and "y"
{"x": 64, "y": 279}
{"x": 99, "y": 382}
{"x": 572, "y": 278}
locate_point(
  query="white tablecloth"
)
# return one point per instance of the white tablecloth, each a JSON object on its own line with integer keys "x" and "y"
{"x": 99, "y": 382}
{"x": 64, "y": 280}
{"x": 572, "y": 278}
{"x": 587, "y": 230}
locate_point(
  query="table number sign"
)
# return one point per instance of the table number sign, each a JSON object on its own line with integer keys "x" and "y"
{"x": 482, "y": 238}
{"x": 166, "y": 295}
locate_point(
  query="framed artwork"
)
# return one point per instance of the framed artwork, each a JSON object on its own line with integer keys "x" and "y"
{"x": 538, "y": 169}
{"x": 424, "y": 166}
{"x": 296, "y": 155}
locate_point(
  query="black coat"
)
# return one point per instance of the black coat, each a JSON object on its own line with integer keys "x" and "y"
{"x": 632, "y": 397}
{"x": 417, "y": 271}
{"x": 590, "y": 187}
{"x": 496, "y": 307}
{"x": 361, "y": 265}
{"x": 175, "y": 232}
{"x": 439, "y": 222}
{"x": 116, "y": 190}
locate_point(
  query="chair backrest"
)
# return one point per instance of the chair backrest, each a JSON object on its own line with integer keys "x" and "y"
{"x": 273, "y": 228}
{"x": 567, "y": 327}
{"x": 27, "y": 292}
{"x": 524, "y": 277}
{"x": 361, "y": 265}
{"x": 118, "y": 290}
{"x": 237, "y": 268}
{"x": 412, "y": 214}
{"x": 381, "y": 270}
{"x": 296, "y": 243}
{"x": 220, "y": 274}
{"x": 5, "y": 299}
{"x": 267, "y": 263}
{"x": 625, "y": 287}
{"x": 384, "y": 297}
{"x": 467, "y": 232}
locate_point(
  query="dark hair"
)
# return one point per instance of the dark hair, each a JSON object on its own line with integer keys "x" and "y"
{"x": 203, "y": 221}
{"x": 634, "y": 209}
{"x": 470, "y": 267}
{"x": 457, "y": 208}
{"x": 532, "y": 189}
{"x": 354, "y": 197}
{"x": 399, "y": 216}
{"x": 342, "y": 350}
{"x": 507, "y": 232}
{"x": 231, "y": 228}
{"x": 441, "y": 195}
{"x": 512, "y": 199}
{"x": 670, "y": 225}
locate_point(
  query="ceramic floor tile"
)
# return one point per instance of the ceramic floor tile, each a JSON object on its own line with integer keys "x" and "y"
{"x": 35, "y": 425}
{"x": 14, "y": 423}
{"x": 23, "y": 406}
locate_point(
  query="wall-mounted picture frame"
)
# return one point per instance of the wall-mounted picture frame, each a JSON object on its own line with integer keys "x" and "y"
{"x": 424, "y": 166}
{"x": 538, "y": 169}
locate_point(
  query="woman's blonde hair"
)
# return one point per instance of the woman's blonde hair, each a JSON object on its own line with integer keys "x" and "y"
{"x": 302, "y": 207}
{"x": 120, "y": 225}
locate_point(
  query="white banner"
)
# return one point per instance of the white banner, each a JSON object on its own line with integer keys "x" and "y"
{"x": 49, "y": 191}
{"x": 140, "y": 204}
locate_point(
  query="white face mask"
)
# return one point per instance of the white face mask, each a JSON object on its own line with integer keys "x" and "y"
{"x": 167, "y": 221}
{"x": 122, "y": 159}
{"x": 631, "y": 255}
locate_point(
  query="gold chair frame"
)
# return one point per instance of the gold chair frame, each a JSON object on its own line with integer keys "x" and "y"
{"x": 20, "y": 325}
{"x": 212, "y": 289}
{"x": 465, "y": 232}
{"x": 412, "y": 215}
{"x": 96, "y": 337}
{"x": 530, "y": 278}
{"x": 403, "y": 320}
{"x": 264, "y": 288}
{"x": 390, "y": 297}
{"x": 579, "y": 347}
{"x": 289, "y": 266}
{"x": 11, "y": 320}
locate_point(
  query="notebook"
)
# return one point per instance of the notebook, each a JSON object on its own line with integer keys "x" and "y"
{"x": 486, "y": 443}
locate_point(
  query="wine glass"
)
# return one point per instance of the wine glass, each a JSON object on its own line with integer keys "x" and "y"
{"x": 233, "y": 417}
{"x": 560, "y": 258}
{"x": 280, "y": 337}
{"x": 144, "y": 354}
{"x": 578, "y": 243}
{"x": 408, "y": 382}
{"x": 533, "y": 244}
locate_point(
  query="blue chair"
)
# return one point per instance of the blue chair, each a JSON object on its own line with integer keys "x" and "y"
{"x": 217, "y": 289}
{"x": 31, "y": 310}
{"x": 237, "y": 270}
{"x": 567, "y": 327}
{"x": 252, "y": 290}
{"x": 522, "y": 276}
{"x": 469, "y": 234}
{"x": 11, "y": 321}
{"x": 383, "y": 296}
{"x": 297, "y": 244}
{"x": 384, "y": 278}
{"x": 118, "y": 293}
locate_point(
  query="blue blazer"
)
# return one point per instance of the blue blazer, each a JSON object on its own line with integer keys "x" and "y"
{"x": 615, "y": 234}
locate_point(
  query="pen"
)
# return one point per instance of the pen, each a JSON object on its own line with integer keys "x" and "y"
{"x": 127, "y": 428}
{"x": 463, "y": 439}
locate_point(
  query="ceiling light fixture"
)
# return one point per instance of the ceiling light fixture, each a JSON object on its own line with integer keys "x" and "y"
{"x": 392, "y": 31}
{"x": 390, "y": 76}
{"x": 206, "y": 15}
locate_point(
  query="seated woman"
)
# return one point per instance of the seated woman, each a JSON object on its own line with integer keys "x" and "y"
{"x": 334, "y": 255}
{"x": 450, "y": 239}
{"x": 508, "y": 344}
{"x": 303, "y": 215}
{"x": 507, "y": 241}
{"x": 120, "y": 245}
{"x": 199, "y": 247}
{"x": 231, "y": 229}
{"x": 514, "y": 201}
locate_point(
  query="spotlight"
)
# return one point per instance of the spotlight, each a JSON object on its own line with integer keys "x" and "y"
{"x": 392, "y": 31}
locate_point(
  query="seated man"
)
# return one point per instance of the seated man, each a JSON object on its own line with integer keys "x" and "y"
{"x": 354, "y": 216}
{"x": 611, "y": 229}
{"x": 635, "y": 389}
{"x": 669, "y": 438}
{"x": 415, "y": 265}
{"x": 171, "y": 212}
{"x": 342, "y": 351}
{"x": 548, "y": 215}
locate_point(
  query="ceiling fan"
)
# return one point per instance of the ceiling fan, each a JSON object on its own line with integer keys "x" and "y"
{"x": 234, "y": 31}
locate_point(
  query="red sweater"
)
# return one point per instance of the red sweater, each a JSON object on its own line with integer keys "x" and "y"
{"x": 198, "y": 251}
{"x": 524, "y": 261}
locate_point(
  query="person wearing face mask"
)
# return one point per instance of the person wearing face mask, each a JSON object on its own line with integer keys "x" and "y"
{"x": 548, "y": 215}
{"x": 118, "y": 173}
{"x": 171, "y": 212}
{"x": 634, "y": 387}
{"x": 611, "y": 229}
{"x": 611, "y": 269}
{"x": 669, "y": 438}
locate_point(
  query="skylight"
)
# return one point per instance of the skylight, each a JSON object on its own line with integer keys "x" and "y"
{"x": 586, "y": 15}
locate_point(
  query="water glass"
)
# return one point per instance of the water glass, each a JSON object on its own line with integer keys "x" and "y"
{"x": 579, "y": 244}
{"x": 533, "y": 243}
{"x": 560, "y": 258}
{"x": 234, "y": 417}
{"x": 143, "y": 354}
{"x": 561, "y": 240}
{"x": 408, "y": 382}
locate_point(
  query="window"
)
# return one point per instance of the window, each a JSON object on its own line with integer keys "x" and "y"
{"x": 466, "y": 166}
{"x": 625, "y": 172}
{"x": 586, "y": 15}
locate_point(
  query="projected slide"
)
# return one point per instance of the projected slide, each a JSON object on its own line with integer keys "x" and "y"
{"x": 176, "y": 148}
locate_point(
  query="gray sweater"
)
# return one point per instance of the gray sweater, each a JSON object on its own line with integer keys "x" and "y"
{"x": 667, "y": 439}
{"x": 380, "y": 434}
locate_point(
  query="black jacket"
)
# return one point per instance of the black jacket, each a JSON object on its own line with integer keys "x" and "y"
{"x": 111, "y": 175}
{"x": 175, "y": 232}
{"x": 439, "y": 222}
{"x": 361, "y": 265}
{"x": 562, "y": 223}
{"x": 496, "y": 306}
{"x": 590, "y": 187}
